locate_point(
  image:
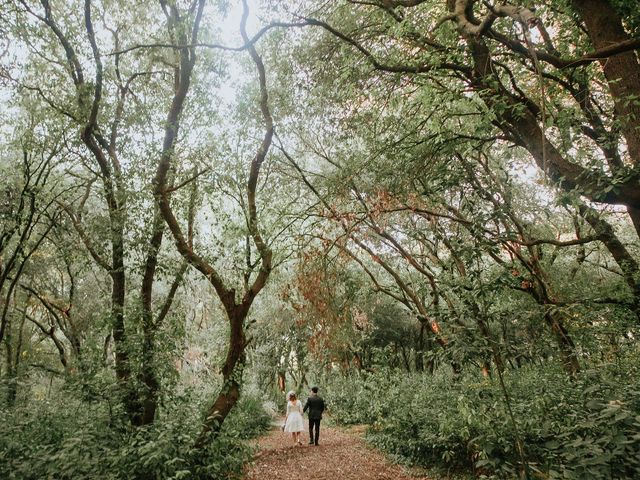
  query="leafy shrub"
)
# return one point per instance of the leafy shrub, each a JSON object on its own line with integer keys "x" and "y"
{"x": 80, "y": 440}
{"x": 355, "y": 399}
{"x": 249, "y": 419}
{"x": 587, "y": 428}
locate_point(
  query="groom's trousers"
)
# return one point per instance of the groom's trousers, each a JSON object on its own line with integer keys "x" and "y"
{"x": 314, "y": 438}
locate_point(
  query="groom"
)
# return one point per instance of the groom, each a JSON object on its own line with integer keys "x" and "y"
{"x": 315, "y": 405}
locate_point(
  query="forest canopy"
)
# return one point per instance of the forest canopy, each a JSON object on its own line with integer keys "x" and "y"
{"x": 430, "y": 208}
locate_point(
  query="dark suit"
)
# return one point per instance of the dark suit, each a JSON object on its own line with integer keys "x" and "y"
{"x": 315, "y": 405}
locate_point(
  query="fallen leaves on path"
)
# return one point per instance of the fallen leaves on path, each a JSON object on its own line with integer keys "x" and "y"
{"x": 341, "y": 455}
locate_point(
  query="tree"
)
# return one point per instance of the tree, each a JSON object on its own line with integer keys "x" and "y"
{"x": 28, "y": 215}
{"x": 236, "y": 309}
{"x": 570, "y": 102}
{"x": 108, "y": 113}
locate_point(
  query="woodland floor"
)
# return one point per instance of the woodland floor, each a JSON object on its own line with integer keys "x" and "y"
{"x": 341, "y": 455}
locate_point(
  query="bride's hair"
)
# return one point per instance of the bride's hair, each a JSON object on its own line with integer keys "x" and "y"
{"x": 292, "y": 397}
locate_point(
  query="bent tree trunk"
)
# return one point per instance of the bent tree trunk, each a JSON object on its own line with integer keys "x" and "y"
{"x": 555, "y": 320}
{"x": 567, "y": 348}
{"x": 231, "y": 378}
{"x": 236, "y": 311}
{"x": 622, "y": 256}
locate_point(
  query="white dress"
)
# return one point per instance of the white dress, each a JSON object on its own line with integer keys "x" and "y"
{"x": 294, "y": 417}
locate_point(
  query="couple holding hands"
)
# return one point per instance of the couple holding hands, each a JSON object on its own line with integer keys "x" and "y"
{"x": 293, "y": 422}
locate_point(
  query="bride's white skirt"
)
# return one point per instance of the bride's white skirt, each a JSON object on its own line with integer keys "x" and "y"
{"x": 294, "y": 423}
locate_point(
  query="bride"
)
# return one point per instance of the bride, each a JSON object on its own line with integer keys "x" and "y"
{"x": 293, "y": 422}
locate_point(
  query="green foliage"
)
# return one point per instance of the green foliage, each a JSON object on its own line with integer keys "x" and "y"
{"x": 357, "y": 399}
{"x": 581, "y": 429}
{"x": 249, "y": 418}
{"x": 423, "y": 183}
{"x": 82, "y": 440}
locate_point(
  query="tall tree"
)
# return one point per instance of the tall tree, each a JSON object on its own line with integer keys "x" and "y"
{"x": 560, "y": 82}
{"x": 93, "y": 93}
{"x": 235, "y": 305}
{"x": 28, "y": 215}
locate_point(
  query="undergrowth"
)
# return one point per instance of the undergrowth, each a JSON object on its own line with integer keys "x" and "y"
{"x": 582, "y": 428}
{"x": 74, "y": 439}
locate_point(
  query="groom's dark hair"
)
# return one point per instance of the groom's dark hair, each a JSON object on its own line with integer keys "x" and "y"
{"x": 314, "y": 389}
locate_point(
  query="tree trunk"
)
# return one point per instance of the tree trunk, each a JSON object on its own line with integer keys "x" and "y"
{"x": 625, "y": 260}
{"x": 405, "y": 359}
{"x": 122, "y": 367}
{"x": 231, "y": 377}
{"x": 555, "y": 320}
{"x": 357, "y": 360}
{"x": 567, "y": 347}
{"x": 148, "y": 376}
{"x": 236, "y": 312}
{"x": 604, "y": 27}
{"x": 634, "y": 214}
{"x": 11, "y": 377}
{"x": 419, "y": 355}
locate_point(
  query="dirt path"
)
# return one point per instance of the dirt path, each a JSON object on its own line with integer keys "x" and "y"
{"x": 341, "y": 455}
